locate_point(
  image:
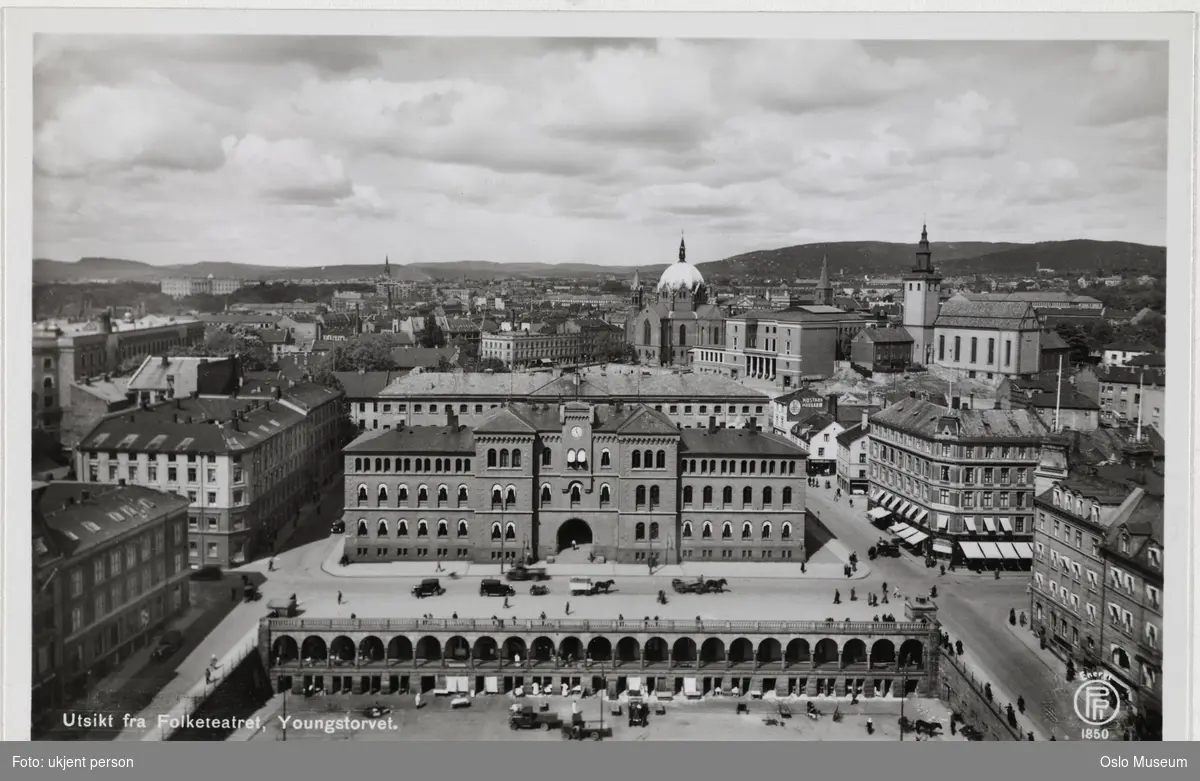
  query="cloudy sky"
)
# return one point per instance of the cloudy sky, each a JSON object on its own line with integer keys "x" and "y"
{"x": 317, "y": 151}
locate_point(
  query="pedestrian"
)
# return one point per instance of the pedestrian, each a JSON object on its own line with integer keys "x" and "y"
{"x": 208, "y": 676}
{"x": 803, "y": 568}
{"x": 417, "y": 700}
{"x": 339, "y": 597}
{"x": 568, "y": 609}
{"x": 854, "y": 566}
{"x": 213, "y": 662}
{"x": 543, "y": 615}
{"x": 506, "y": 602}
{"x": 455, "y": 615}
{"x": 942, "y": 569}
{"x": 574, "y": 545}
{"x": 885, "y": 587}
{"x": 439, "y": 566}
{"x": 353, "y": 616}
{"x": 896, "y": 593}
{"x": 853, "y": 596}
{"x": 837, "y": 597}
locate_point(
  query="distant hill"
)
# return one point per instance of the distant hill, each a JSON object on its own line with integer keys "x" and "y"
{"x": 850, "y": 258}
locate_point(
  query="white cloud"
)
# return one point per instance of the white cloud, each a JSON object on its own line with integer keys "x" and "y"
{"x": 969, "y": 125}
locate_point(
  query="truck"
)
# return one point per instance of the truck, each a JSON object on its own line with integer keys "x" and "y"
{"x": 586, "y": 730}
{"x": 527, "y": 718}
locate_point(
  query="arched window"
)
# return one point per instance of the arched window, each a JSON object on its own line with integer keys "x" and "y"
{"x": 654, "y": 530}
{"x": 687, "y": 494}
{"x": 648, "y": 459}
{"x": 516, "y": 458}
{"x": 458, "y": 465}
{"x": 443, "y": 494}
{"x": 422, "y": 494}
{"x": 791, "y": 467}
{"x": 724, "y": 466}
{"x": 491, "y": 456}
{"x": 767, "y": 496}
{"x": 772, "y": 467}
{"x": 707, "y": 495}
{"x": 495, "y": 531}
{"x": 362, "y": 493}
{"x": 727, "y": 531}
{"x": 787, "y": 496}
{"x": 546, "y": 456}
{"x": 387, "y": 464}
{"x": 706, "y": 531}
{"x": 654, "y": 496}
{"x": 639, "y": 531}
{"x": 545, "y": 496}
{"x": 362, "y": 528}
{"x": 682, "y": 335}
{"x": 605, "y": 458}
{"x": 743, "y": 467}
{"x": 443, "y": 529}
{"x": 408, "y": 465}
{"x": 687, "y": 530}
{"x": 639, "y": 495}
{"x": 646, "y": 333}
{"x": 785, "y": 531}
{"x": 402, "y": 528}
{"x": 496, "y": 497}
{"x": 358, "y": 465}
{"x": 727, "y": 495}
{"x": 503, "y": 457}
{"x": 636, "y": 459}
{"x": 570, "y": 459}
{"x": 462, "y": 494}
{"x": 510, "y": 531}
{"x": 766, "y": 530}
{"x": 747, "y": 530}
{"x": 751, "y": 467}
{"x": 660, "y": 459}
{"x": 510, "y": 497}
{"x": 379, "y": 465}
{"x": 576, "y": 494}
{"x": 605, "y": 494}
{"x": 747, "y": 496}
{"x": 422, "y": 528}
{"x": 462, "y": 528}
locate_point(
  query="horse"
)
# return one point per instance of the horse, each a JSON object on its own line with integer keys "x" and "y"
{"x": 930, "y": 728}
{"x": 602, "y": 586}
{"x": 715, "y": 585}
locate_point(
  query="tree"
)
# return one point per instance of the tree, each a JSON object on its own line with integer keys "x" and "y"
{"x": 368, "y": 352}
{"x": 224, "y": 341}
{"x": 432, "y": 336}
{"x": 1070, "y": 670}
{"x": 1012, "y": 616}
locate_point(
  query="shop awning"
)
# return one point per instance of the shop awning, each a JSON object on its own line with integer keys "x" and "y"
{"x": 989, "y": 523}
{"x": 917, "y": 538}
{"x": 876, "y": 493}
{"x": 969, "y": 522}
{"x": 1005, "y": 524}
{"x": 922, "y": 515}
{"x": 878, "y": 512}
{"x": 907, "y": 533}
{"x": 990, "y": 551}
{"x": 891, "y": 501}
{"x": 943, "y": 521}
{"x": 633, "y": 684}
{"x": 943, "y": 546}
{"x": 1023, "y": 550}
{"x": 971, "y": 550}
{"x": 904, "y": 507}
{"x": 1008, "y": 551}
{"x": 897, "y": 528}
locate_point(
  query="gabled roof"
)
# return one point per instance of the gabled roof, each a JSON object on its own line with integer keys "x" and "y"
{"x": 1131, "y": 346}
{"x": 926, "y": 420}
{"x": 853, "y": 433}
{"x": 365, "y": 385}
{"x": 1052, "y": 341}
{"x": 643, "y": 420}
{"x": 885, "y": 335}
{"x": 1131, "y": 375}
{"x": 736, "y": 442}
{"x": 85, "y": 515}
{"x": 505, "y": 421}
{"x": 1004, "y": 315}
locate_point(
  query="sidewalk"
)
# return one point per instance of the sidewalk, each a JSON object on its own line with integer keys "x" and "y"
{"x": 1000, "y": 694}
{"x": 1030, "y": 640}
{"x": 689, "y": 571}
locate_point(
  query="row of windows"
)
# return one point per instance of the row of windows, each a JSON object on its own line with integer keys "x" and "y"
{"x": 747, "y": 531}
{"x": 402, "y": 530}
{"x": 727, "y": 496}
{"x": 968, "y": 500}
{"x": 952, "y": 450}
{"x": 991, "y": 350}
{"x": 464, "y": 409}
{"x": 970, "y": 475}
{"x": 743, "y": 467}
{"x": 433, "y": 465}
{"x": 381, "y": 494}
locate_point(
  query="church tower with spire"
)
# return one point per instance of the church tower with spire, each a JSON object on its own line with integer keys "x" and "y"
{"x": 922, "y": 291}
{"x": 636, "y": 295}
{"x": 824, "y": 294}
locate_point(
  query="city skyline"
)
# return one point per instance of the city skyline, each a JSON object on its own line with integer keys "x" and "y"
{"x": 285, "y": 151}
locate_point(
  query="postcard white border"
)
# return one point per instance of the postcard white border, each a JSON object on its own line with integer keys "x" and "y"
{"x": 711, "y": 19}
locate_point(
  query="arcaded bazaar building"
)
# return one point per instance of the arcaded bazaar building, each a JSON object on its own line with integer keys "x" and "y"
{"x": 531, "y": 479}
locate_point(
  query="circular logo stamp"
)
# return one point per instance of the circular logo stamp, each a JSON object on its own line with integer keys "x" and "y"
{"x": 1097, "y": 702}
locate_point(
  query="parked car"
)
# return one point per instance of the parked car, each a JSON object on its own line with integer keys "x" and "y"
{"x": 429, "y": 587}
{"x": 490, "y": 587}
{"x": 169, "y": 643}
{"x": 338, "y": 527}
{"x": 887, "y": 550}
{"x": 210, "y": 572}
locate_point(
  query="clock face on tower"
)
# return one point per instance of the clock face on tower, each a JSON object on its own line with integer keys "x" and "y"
{"x": 577, "y": 432}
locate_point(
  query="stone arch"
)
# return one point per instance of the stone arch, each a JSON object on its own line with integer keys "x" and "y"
{"x": 657, "y": 650}
{"x": 573, "y": 531}
{"x": 684, "y": 651}
{"x": 712, "y": 651}
{"x": 370, "y": 649}
{"x": 628, "y": 650}
{"x": 769, "y": 651}
{"x": 741, "y": 650}
{"x": 912, "y": 654}
{"x": 285, "y": 649}
{"x": 361, "y": 529}
{"x": 381, "y": 528}
{"x": 400, "y": 649}
{"x": 854, "y": 651}
{"x": 443, "y": 528}
{"x": 825, "y": 652}
{"x": 486, "y": 649}
{"x": 429, "y": 649}
{"x": 342, "y": 648}
{"x": 686, "y": 532}
{"x": 600, "y": 649}
{"x": 798, "y": 652}
{"x": 496, "y": 531}
{"x": 512, "y": 647}
{"x": 462, "y": 527}
{"x": 883, "y": 653}
{"x": 458, "y": 649}
{"x": 542, "y": 649}
{"x": 571, "y": 648}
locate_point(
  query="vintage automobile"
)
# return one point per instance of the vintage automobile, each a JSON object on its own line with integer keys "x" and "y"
{"x": 429, "y": 587}
{"x": 521, "y": 572}
{"x": 586, "y": 730}
{"x": 490, "y": 587}
{"x": 282, "y": 608}
{"x": 168, "y": 644}
{"x": 538, "y": 591}
{"x": 338, "y": 527}
{"x": 528, "y": 718}
{"x": 207, "y": 573}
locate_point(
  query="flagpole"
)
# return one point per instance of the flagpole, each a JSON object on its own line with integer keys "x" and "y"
{"x": 1058, "y": 397}
{"x": 1141, "y": 377}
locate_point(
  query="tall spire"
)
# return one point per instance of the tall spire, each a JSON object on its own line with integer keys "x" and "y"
{"x": 636, "y": 284}
{"x": 924, "y": 253}
{"x": 824, "y": 289}
{"x": 387, "y": 267}
{"x": 682, "y": 251}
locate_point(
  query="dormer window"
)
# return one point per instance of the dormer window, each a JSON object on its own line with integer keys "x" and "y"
{"x": 1124, "y": 543}
{"x": 1155, "y": 557}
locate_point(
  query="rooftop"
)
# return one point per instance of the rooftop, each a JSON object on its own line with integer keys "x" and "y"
{"x": 85, "y": 515}
{"x": 1005, "y": 315}
{"x": 364, "y": 384}
{"x": 885, "y": 335}
{"x": 736, "y": 442}
{"x": 110, "y": 389}
{"x": 154, "y": 372}
{"x": 927, "y": 420}
{"x": 1131, "y": 375}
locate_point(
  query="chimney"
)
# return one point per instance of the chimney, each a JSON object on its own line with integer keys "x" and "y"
{"x": 178, "y": 403}
{"x": 971, "y": 397}
{"x": 234, "y": 423}
{"x": 712, "y": 423}
{"x": 831, "y": 405}
{"x": 866, "y": 418}
{"x": 278, "y": 392}
{"x": 751, "y": 425}
{"x": 912, "y": 394}
{"x": 451, "y": 417}
{"x": 956, "y": 402}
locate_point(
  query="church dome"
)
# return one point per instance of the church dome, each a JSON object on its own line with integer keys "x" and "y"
{"x": 681, "y": 276}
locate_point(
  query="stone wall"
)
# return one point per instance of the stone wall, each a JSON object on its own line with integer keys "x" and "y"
{"x": 963, "y": 693}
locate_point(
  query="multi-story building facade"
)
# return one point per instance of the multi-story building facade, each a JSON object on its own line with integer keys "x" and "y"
{"x": 958, "y": 481}
{"x": 882, "y": 350}
{"x": 182, "y": 287}
{"x": 244, "y": 464}
{"x": 688, "y": 400}
{"x": 361, "y": 391}
{"x": 576, "y": 342}
{"x": 1127, "y": 394}
{"x": 162, "y": 377}
{"x": 65, "y": 352}
{"x": 988, "y": 340}
{"x": 852, "y": 466}
{"x": 1121, "y": 353}
{"x": 531, "y": 480}
{"x": 109, "y": 571}
{"x": 817, "y": 432}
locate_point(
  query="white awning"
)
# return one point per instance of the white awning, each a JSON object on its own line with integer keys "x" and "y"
{"x": 922, "y": 516}
{"x": 990, "y": 551}
{"x": 989, "y": 523}
{"x": 1023, "y": 550}
{"x": 1005, "y": 524}
{"x": 913, "y": 511}
{"x": 895, "y": 502}
{"x": 907, "y": 533}
{"x": 690, "y": 687}
{"x": 491, "y": 684}
{"x": 971, "y": 550}
{"x": 1008, "y": 551}
{"x": 896, "y": 528}
{"x": 878, "y": 512}
{"x": 943, "y": 546}
{"x": 917, "y": 538}
{"x": 969, "y": 522}
{"x": 875, "y": 494}
{"x": 943, "y": 521}
{"x": 904, "y": 507}
{"x": 633, "y": 684}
